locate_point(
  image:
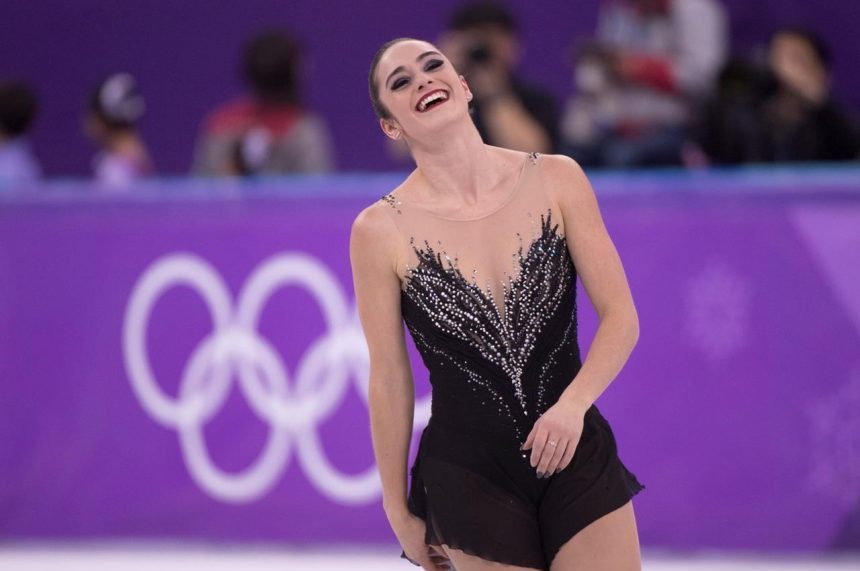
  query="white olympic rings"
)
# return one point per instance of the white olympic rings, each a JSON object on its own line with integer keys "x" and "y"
{"x": 235, "y": 349}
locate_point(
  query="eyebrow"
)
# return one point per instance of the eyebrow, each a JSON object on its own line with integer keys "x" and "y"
{"x": 400, "y": 68}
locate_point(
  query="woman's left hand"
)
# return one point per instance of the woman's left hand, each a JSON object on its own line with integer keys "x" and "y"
{"x": 554, "y": 438}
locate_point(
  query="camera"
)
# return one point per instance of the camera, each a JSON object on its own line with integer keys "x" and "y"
{"x": 479, "y": 53}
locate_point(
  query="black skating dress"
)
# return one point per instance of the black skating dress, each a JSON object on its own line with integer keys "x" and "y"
{"x": 490, "y": 303}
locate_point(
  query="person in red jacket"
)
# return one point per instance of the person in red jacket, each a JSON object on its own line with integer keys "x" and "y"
{"x": 637, "y": 81}
{"x": 268, "y": 131}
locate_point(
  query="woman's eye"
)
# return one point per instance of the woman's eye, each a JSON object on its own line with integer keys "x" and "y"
{"x": 398, "y": 83}
{"x": 433, "y": 64}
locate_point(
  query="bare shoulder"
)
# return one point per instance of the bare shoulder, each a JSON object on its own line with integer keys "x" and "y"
{"x": 374, "y": 234}
{"x": 373, "y": 221}
{"x": 562, "y": 172}
{"x": 569, "y": 189}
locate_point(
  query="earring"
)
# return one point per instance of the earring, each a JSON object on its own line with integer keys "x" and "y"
{"x": 468, "y": 97}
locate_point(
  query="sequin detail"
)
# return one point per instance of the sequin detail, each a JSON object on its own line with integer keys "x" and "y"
{"x": 475, "y": 379}
{"x": 551, "y": 360}
{"x": 392, "y": 201}
{"x": 459, "y": 308}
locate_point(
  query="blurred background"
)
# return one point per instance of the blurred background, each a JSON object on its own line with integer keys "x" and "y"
{"x": 182, "y": 376}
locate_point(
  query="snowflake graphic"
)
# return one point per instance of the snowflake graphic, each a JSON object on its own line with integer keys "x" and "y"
{"x": 834, "y": 422}
{"x": 717, "y": 310}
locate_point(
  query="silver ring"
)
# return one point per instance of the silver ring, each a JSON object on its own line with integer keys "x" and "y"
{"x": 550, "y": 442}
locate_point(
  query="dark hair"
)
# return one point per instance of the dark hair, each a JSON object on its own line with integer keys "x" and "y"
{"x": 482, "y": 14}
{"x": 270, "y": 64}
{"x": 18, "y": 108}
{"x": 117, "y": 102}
{"x": 822, "y": 52}
{"x": 378, "y": 107}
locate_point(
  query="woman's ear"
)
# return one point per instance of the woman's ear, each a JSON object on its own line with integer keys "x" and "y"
{"x": 468, "y": 91}
{"x": 390, "y": 128}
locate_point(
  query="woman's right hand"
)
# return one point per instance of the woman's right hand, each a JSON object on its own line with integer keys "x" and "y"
{"x": 410, "y": 531}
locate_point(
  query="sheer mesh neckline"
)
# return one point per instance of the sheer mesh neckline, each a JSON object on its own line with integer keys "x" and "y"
{"x": 529, "y": 157}
{"x": 439, "y": 263}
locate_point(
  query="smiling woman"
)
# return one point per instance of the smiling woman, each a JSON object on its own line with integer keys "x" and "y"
{"x": 478, "y": 252}
{"x": 398, "y": 78}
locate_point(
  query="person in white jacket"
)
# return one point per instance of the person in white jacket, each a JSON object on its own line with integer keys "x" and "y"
{"x": 648, "y": 63}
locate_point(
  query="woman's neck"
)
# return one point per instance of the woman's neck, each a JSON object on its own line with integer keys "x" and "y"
{"x": 457, "y": 166}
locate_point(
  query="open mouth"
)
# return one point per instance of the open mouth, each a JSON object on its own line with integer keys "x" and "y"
{"x": 431, "y": 100}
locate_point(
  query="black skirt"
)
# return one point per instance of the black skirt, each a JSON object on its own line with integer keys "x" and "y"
{"x": 487, "y": 500}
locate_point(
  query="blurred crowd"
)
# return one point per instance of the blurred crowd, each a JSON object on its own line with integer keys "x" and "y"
{"x": 656, "y": 85}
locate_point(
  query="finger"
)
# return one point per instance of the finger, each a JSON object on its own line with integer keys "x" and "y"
{"x": 569, "y": 451}
{"x": 438, "y": 556}
{"x": 548, "y": 453}
{"x": 537, "y": 447}
{"x": 558, "y": 452}
{"x": 530, "y": 438}
{"x": 427, "y": 564}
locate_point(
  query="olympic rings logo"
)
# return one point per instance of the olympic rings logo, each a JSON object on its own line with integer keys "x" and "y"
{"x": 235, "y": 350}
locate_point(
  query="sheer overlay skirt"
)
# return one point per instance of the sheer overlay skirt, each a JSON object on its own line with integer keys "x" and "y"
{"x": 485, "y": 499}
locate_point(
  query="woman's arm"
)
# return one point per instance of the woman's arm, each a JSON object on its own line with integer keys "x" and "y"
{"x": 599, "y": 267}
{"x": 377, "y": 291}
{"x": 392, "y": 393}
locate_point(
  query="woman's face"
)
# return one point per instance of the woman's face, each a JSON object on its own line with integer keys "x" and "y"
{"x": 420, "y": 88}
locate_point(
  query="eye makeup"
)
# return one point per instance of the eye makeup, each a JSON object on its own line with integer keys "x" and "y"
{"x": 431, "y": 65}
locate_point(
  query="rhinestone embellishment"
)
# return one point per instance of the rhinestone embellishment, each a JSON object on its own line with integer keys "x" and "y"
{"x": 459, "y": 308}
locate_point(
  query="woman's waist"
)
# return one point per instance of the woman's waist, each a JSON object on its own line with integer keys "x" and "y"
{"x": 507, "y": 391}
{"x": 449, "y": 438}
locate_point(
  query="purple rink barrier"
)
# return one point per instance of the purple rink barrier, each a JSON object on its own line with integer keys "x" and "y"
{"x": 185, "y": 362}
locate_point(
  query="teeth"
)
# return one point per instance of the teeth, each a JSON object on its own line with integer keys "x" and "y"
{"x": 422, "y": 105}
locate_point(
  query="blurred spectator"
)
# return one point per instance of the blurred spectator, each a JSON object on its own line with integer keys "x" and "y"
{"x": 729, "y": 130}
{"x": 483, "y": 45}
{"x": 268, "y": 131}
{"x": 17, "y": 110}
{"x": 801, "y": 121}
{"x": 638, "y": 81}
{"x": 781, "y": 111}
{"x": 115, "y": 107}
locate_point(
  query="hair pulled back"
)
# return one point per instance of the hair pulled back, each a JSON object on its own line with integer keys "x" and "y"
{"x": 378, "y": 107}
